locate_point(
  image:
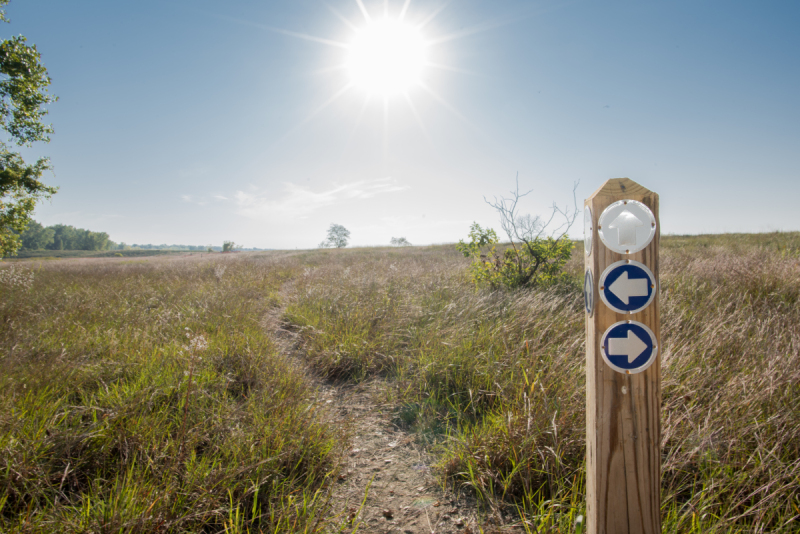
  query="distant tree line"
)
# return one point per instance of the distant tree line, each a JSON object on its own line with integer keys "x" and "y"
{"x": 63, "y": 237}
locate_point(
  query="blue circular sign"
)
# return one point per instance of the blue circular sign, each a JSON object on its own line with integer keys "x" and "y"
{"x": 629, "y": 347}
{"x": 627, "y": 286}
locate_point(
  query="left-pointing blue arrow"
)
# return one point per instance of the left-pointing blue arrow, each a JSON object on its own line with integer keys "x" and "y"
{"x": 627, "y": 286}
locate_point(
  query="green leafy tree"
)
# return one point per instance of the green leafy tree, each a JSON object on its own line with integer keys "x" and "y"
{"x": 64, "y": 238}
{"x": 229, "y": 246}
{"x": 399, "y": 242}
{"x": 61, "y": 238}
{"x": 536, "y": 252}
{"x": 23, "y": 97}
{"x": 36, "y": 236}
{"x": 70, "y": 238}
{"x": 94, "y": 240}
{"x": 338, "y": 237}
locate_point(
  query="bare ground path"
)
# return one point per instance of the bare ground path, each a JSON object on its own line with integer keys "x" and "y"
{"x": 385, "y": 483}
{"x": 386, "y": 464}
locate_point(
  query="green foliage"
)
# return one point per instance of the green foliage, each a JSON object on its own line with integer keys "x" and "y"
{"x": 23, "y": 92}
{"x": 23, "y": 97}
{"x": 71, "y": 238}
{"x": 338, "y": 236}
{"x": 399, "y": 242}
{"x": 20, "y": 190}
{"x": 63, "y": 237}
{"x": 531, "y": 263}
{"x": 37, "y": 237}
{"x": 229, "y": 246}
{"x": 479, "y": 238}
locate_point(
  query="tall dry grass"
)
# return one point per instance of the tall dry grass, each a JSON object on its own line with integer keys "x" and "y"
{"x": 147, "y": 396}
{"x": 496, "y": 379}
{"x": 111, "y": 421}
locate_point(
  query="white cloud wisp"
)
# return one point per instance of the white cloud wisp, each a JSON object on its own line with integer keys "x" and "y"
{"x": 299, "y": 202}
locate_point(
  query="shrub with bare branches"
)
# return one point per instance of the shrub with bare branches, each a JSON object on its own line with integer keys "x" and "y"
{"x": 537, "y": 251}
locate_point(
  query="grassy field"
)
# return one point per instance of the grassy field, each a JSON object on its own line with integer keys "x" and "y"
{"x": 148, "y": 397}
{"x": 151, "y": 396}
{"x": 26, "y": 255}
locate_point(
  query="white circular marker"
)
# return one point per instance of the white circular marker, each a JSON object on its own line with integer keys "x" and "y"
{"x": 587, "y": 230}
{"x": 626, "y": 226}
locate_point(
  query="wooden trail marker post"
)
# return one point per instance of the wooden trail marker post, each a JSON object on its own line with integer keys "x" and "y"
{"x": 623, "y": 380}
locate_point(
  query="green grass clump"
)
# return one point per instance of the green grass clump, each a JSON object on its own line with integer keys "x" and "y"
{"x": 150, "y": 398}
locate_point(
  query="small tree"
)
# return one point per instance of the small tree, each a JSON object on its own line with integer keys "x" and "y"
{"x": 229, "y": 246}
{"x": 337, "y": 237}
{"x": 399, "y": 242}
{"x": 536, "y": 253}
{"x": 23, "y": 97}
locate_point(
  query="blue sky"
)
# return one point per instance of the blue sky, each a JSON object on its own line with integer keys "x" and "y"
{"x": 198, "y": 122}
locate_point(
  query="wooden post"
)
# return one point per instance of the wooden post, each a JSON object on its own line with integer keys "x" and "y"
{"x": 623, "y": 391}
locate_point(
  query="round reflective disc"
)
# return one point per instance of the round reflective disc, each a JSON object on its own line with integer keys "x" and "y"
{"x": 587, "y": 230}
{"x": 626, "y": 226}
{"x": 629, "y": 347}
{"x": 627, "y": 286}
{"x": 588, "y": 293}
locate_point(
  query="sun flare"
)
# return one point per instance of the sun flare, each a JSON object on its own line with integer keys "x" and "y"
{"x": 386, "y": 57}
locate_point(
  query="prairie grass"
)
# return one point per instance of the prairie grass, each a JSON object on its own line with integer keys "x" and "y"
{"x": 149, "y": 397}
{"x": 29, "y": 255}
{"x": 496, "y": 379}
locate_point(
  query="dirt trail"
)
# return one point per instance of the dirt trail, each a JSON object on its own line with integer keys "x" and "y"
{"x": 383, "y": 461}
{"x": 386, "y": 464}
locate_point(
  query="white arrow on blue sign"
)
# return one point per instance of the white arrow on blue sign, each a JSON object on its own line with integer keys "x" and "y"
{"x": 629, "y": 347}
{"x": 627, "y": 286}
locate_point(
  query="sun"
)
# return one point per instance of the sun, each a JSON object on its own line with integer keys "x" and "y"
{"x": 386, "y": 57}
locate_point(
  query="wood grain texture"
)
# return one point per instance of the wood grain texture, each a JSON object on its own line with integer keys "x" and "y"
{"x": 623, "y": 457}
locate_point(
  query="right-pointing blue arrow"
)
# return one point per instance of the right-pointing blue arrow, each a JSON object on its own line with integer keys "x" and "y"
{"x": 631, "y": 346}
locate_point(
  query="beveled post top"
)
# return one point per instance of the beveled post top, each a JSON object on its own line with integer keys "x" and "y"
{"x": 615, "y": 187}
